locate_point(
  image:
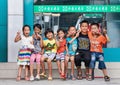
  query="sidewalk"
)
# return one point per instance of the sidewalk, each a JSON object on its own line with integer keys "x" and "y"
{"x": 97, "y": 81}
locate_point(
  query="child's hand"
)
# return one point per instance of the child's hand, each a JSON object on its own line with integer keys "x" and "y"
{"x": 78, "y": 32}
{"x": 104, "y": 31}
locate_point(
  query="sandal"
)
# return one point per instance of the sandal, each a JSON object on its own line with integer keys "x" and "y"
{"x": 27, "y": 78}
{"x": 107, "y": 78}
{"x": 89, "y": 77}
{"x": 18, "y": 78}
{"x": 79, "y": 76}
{"x": 72, "y": 77}
{"x": 43, "y": 75}
{"x": 63, "y": 76}
{"x": 50, "y": 78}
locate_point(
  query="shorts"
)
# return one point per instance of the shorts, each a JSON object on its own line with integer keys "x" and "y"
{"x": 82, "y": 56}
{"x": 35, "y": 56}
{"x": 96, "y": 56}
{"x": 72, "y": 53}
{"x": 50, "y": 56}
{"x": 60, "y": 56}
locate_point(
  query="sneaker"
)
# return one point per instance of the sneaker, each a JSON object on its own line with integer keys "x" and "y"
{"x": 31, "y": 78}
{"x": 37, "y": 77}
{"x": 107, "y": 78}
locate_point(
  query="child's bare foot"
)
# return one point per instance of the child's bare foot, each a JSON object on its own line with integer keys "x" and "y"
{"x": 18, "y": 78}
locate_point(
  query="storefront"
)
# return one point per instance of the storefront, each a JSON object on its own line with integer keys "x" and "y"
{"x": 15, "y": 13}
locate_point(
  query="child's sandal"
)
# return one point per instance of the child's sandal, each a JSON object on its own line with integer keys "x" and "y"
{"x": 89, "y": 77}
{"x": 43, "y": 75}
{"x": 107, "y": 78}
{"x": 50, "y": 78}
{"x": 72, "y": 77}
{"x": 27, "y": 78}
{"x": 79, "y": 76}
{"x": 18, "y": 78}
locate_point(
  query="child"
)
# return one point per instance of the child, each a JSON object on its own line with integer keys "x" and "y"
{"x": 61, "y": 53}
{"x": 50, "y": 46}
{"x": 71, "y": 51}
{"x": 37, "y": 52}
{"x": 83, "y": 50}
{"x": 25, "y": 51}
{"x": 96, "y": 41}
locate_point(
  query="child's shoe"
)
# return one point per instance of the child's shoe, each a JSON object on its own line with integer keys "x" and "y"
{"x": 107, "y": 78}
{"x": 89, "y": 77}
{"x": 18, "y": 78}
{"x": 43, "y": 75}
{"x": 31, "y": 78}
{"x": 63, "y": 76}
{"x": 50, "y": 78}
{"x": 72, "y": 77}
{"x": 37, "y": 77}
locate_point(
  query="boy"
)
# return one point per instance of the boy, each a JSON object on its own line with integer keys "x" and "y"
{"x": 96, "y": 42}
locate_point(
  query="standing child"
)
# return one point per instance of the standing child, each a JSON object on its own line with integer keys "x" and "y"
{"x": 60, "y": 57}
{"x": 97, "y": 40}
{"x": 25, "y": 51}
{"x": 37, "y": 52}
{"x": 50, "y": 49}
{"x": 72, "y": 47}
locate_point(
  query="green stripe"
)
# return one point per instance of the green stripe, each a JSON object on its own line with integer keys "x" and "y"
{"x": 76, "y": 8}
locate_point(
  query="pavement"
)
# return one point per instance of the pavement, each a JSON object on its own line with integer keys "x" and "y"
{"x": 97, "y": 81}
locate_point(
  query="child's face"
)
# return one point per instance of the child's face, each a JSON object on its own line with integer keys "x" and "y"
{"x": 26, "y": 31}
{"x": 49, "y": 35}
{"x": 84, "y": 27}
{"x": 72, "y": 31}
{"x": 61, "y": 34}
{"x": 94, "y": 29}
{"x": 37, "y": 30}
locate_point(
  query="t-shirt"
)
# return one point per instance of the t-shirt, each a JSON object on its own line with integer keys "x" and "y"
{"x": 83, "y": 43}
{"x": 96, "y": 43}
{"x": 37, "y": 45}
{"x": 62, "y": 46}
{"x": 26, "y": 42}
{"x": 73, "y": 46}
{"x": 50, "y": 46}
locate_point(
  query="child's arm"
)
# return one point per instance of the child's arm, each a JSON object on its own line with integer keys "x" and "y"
{"x": 106, "y": 36}
{"x": 18, "y": 37}
{"x": 77, "y": 34}
{"x": 67, "y": 53}
{"x": 56, "y": 41}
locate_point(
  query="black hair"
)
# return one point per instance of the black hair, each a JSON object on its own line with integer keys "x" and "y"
{"x": 95, "y": 24}
{"x": 60, "y": 30}
{"x": 70, "y": 27}
{"x": 38, "y": 26}
{"x": 47, "y": 31}
{"x": 26, "y": 26}
{"x": 84, "y": 21}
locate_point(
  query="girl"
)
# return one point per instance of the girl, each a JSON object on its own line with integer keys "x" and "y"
{"x": 50, "y": 48}
{"x": 37, "y": 52}
{"x": 25, "y": 51}
{"x": 72, "y": 47}
{"x": 61, "y": 53}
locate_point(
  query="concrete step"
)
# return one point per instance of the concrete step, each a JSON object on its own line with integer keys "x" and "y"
{"x": 9, "y": 70}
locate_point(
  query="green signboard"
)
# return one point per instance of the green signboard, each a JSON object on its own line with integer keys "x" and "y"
{"x": 76, "y": 8}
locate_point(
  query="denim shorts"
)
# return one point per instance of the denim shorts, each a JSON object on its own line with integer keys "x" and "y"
{"x": 96, "y": 56}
